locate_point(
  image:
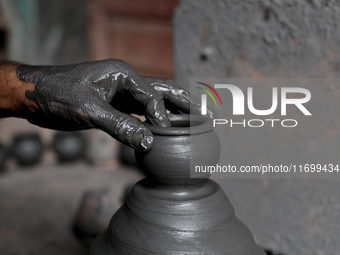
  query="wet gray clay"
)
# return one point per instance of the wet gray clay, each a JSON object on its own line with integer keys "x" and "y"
{"x": 170, "y": 213}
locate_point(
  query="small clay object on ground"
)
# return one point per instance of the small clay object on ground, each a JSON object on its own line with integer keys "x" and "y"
{"x": 94, "y": 214}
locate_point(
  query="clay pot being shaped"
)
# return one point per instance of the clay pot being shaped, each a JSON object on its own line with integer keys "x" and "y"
{"x": 69, "y": 146}
{"x": 170, "y": 213}
{"x": 189, "y": 142}
{"x": 27, "y": 148}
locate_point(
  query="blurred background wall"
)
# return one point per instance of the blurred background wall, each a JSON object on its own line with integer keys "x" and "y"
{"x": 140, "y": 32}
{"x": 264, "y": 38}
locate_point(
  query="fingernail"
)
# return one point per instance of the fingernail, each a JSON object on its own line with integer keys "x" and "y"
{"x": 146, "y": 143}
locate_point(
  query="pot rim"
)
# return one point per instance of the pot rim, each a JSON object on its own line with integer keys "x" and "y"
{"x": 205, "y": 125}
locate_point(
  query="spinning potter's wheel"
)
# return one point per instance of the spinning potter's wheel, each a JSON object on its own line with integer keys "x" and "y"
{"x": 170, "y": 213}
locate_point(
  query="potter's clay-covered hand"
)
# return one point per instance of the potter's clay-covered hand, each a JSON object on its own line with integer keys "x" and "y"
{"x": 176, "y": 98}
{"x": 98, "y": 94}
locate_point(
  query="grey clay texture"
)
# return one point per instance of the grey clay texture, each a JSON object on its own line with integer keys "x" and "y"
{"x": 169, "y": 213}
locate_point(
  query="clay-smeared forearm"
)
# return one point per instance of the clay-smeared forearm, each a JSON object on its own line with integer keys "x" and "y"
{"x": 13, "y": 102}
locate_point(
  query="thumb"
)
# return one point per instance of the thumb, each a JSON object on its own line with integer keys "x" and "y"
{"x": 121, "y": 126}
